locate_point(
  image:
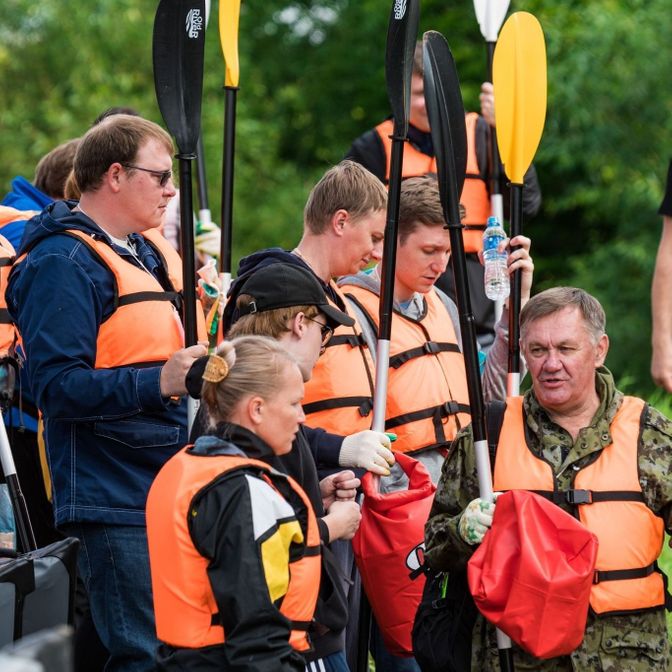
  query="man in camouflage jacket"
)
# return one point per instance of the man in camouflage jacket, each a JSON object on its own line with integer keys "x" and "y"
{"x": 567, "y": 420}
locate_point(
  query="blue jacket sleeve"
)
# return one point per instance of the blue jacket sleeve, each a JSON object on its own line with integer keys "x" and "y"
{"x": 324, "y": 446}
{"x": 56, "y": 302}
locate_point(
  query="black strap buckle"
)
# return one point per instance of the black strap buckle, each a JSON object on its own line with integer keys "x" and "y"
{"x": 450, "y": 408}
{"x": 431, "y": 348}
{"x": 579, "y": 497}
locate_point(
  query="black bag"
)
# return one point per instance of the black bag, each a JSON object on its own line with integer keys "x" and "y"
{"x": 444, "y": 623}
{"x": 37, "y": 587}
{"x": 442, "y": 630}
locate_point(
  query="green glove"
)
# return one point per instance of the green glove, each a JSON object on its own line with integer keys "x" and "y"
{"x": 476, "y": 520}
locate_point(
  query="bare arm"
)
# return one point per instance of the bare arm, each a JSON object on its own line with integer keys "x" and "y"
{"x": 661, "y": 310}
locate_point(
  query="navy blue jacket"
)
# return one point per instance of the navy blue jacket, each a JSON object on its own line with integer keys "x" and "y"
{"x": 107, "y": 431}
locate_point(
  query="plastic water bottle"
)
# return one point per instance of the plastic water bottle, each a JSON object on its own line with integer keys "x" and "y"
{"x": 7, "y": 527}
{"x": 496, "y": 274}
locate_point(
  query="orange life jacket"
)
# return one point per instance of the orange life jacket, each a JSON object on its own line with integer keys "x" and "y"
{"x": 339, "y": 395}
{"x": 184, "y": 604}
{"x": 427, "y": 398}
{"x": 610, "y": 503}
{"x": 145, "y": 326}
{"x": 474, "y": 195}
{"x": 9, "y": 215}
{"x": 8, "y": 334}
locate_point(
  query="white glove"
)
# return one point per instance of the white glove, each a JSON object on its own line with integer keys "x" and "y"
{"x": 369, "y": 450}
{"x": 208, "y": 238}
{"x": 476, "y": 520}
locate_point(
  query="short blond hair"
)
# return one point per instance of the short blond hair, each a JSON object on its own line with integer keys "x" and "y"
{"x": 272, "y": 323}
{"x": 347, "y": 186}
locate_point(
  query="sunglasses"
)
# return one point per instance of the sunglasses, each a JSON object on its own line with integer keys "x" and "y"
{"x": 325, "y": 330}
{"x": 163, "y": 175}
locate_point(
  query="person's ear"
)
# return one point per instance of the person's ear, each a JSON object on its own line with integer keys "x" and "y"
{"x": 601, "y": 350}
{"x": 338, "y": 221}
{"x": 113, "y": 176}
{"x": 255, "y": 409}
{"x": 297, "y": 325}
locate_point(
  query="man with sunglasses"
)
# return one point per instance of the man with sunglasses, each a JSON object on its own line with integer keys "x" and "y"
{"x": 96, "y": 295}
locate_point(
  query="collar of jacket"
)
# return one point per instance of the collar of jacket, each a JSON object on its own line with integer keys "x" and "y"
{"x": 231, "y": 439}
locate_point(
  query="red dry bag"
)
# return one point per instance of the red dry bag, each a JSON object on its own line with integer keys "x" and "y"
{"x": 389, "y": 548}
{"x": 532, "y": 575}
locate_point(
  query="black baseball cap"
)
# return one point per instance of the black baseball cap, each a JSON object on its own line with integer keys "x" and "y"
{"x": 285, "y": 285}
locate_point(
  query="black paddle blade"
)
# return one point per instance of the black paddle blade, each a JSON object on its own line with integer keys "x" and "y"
{"x": 402, "y": 32}
{"x": 446, "y": 119}
{"x": 445, "y": 110}
{"x": 178, "y": 47}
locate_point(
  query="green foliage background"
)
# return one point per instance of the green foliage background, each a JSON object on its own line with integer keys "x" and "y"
{"x": 312, "y": 78}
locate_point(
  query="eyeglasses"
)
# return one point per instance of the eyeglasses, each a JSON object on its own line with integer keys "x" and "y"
{"x": 163, "y": 175}
{"x": 325, "y": 330}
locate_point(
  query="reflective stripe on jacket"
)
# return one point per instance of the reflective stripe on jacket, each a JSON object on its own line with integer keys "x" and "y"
{"x": 339, "y": 396}
{"x": 474, "y": 197}
{"x": 607, "y": 498}
{"x": 427, "y": 399}
{"x": 184, "y": 604}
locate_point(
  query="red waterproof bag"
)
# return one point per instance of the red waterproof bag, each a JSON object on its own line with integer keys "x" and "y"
{"x": 532, "y": 575}
{"x": 389, "y": 549}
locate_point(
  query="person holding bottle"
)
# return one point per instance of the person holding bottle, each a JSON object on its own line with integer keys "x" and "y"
{"x": 426, "y": 343}
{"x": 373, "y": 150}
{"x": 427, "y": 399}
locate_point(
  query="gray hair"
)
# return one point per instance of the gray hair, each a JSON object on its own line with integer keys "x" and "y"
{"x": 556, "y": 299}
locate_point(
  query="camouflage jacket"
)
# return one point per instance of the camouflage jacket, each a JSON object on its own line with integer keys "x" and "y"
{"x": 631, "y": 642}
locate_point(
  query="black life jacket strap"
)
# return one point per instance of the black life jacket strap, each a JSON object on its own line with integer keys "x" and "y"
{"x": 575, "y": 497}
{"x": 365, "y": 405}
{"x": 428, "y": 348}
{"x": 440, "y": 411}
{"x": 353, "y": 340}
{"x": 301, "y": 625}
{"x": 5, "y": 317}
{"x": 138, "y": 297}
{"x": 623, "y": 574}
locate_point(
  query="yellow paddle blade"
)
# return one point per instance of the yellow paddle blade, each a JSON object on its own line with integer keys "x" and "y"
{"x": 519, "y": 79}
{"x": 229, "y": 14}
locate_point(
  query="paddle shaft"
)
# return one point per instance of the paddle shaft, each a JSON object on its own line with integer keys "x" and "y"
{"x": 202, "y": 182}
{"x": 387, "y": 267}
{"x": 493, "y": 153}
{"x": 513, "y": 378}
{"x": 227, "y": 178}
{"x": 187, "y": 247}
{"x": 24, "y": 529}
